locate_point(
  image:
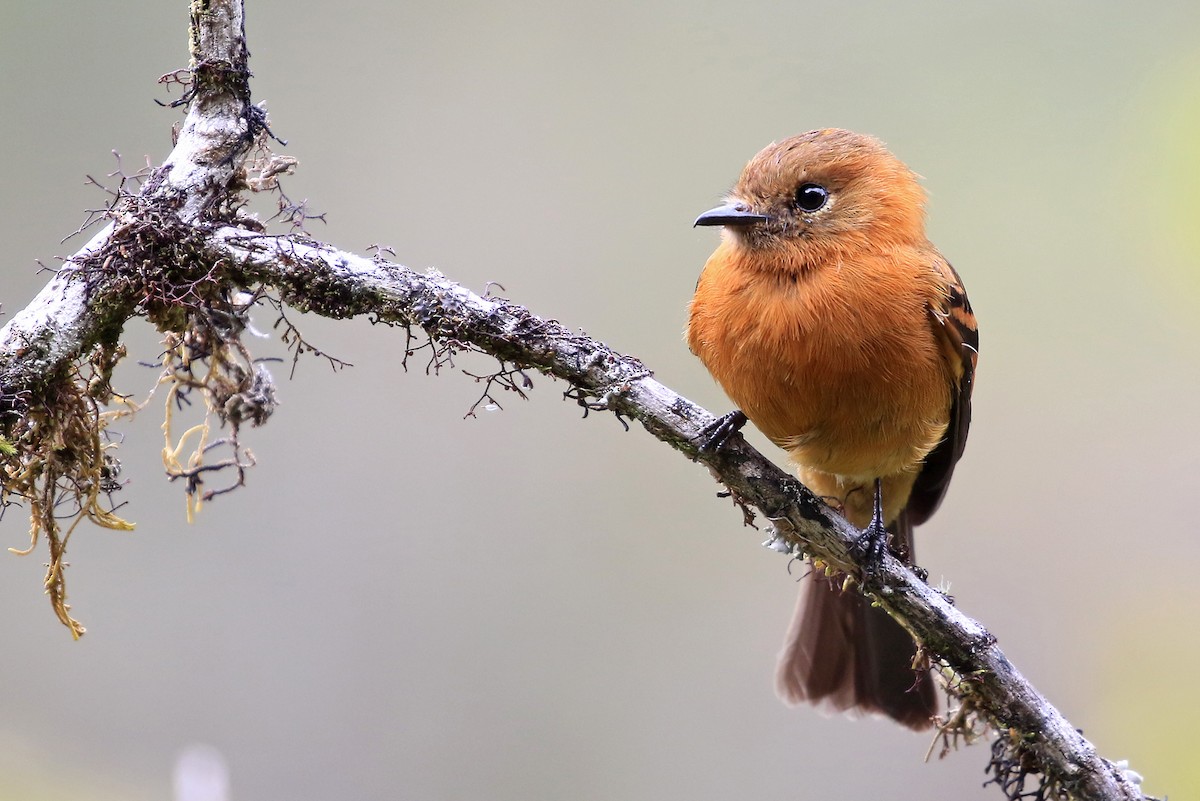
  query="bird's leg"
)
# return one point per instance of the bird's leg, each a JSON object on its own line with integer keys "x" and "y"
{"x": 714, "y": 435}
{"x": 872, "y": 542}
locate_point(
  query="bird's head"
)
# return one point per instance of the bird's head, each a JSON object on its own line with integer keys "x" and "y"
{"x": 820, "y": 193}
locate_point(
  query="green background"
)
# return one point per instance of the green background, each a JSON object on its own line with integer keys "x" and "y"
{"x": 406, "y": 604}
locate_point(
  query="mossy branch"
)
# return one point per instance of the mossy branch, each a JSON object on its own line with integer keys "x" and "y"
{"x": 179, "y": 252}
{"x": 1033, "y": 738}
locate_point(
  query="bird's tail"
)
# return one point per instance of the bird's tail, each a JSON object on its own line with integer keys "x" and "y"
{"x": 843, "y": 652}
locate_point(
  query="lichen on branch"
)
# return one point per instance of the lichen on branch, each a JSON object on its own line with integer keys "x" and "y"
{"x": 149, "y": 259}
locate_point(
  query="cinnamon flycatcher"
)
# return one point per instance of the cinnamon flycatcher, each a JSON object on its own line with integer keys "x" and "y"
{"x": 847, "y": 339}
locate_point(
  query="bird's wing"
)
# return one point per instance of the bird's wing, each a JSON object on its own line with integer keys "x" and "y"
{"x": 954, "y": 324}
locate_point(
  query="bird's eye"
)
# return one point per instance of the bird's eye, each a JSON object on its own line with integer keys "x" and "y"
{"x": 811, "y": 197}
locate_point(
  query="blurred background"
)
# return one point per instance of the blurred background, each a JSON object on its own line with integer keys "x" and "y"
{"x": 406, "y": 604}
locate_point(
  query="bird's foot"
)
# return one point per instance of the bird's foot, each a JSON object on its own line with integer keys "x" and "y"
{"x": 872, "y": 543}
{"x": 715, "y": 434}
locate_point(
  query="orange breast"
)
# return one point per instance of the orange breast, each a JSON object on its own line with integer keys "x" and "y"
{"x": 838, "y": 365}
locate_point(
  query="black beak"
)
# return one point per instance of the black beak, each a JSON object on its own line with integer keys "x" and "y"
{"x": 736, "y": 214}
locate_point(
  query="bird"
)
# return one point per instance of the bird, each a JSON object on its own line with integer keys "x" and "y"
{"x": 846, "y": 338}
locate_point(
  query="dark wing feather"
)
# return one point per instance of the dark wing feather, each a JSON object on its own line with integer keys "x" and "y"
{"x": 954, "y": 323}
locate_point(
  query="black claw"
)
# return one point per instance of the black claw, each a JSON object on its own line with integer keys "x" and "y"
{"x": 715, "y": 434}
{"x": 872, "y": 543}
